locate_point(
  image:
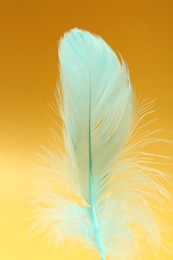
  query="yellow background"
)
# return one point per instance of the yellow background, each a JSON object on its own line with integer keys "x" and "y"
{"x": 29, "y": 31}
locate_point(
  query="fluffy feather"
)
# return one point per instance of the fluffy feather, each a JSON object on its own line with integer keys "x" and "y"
{"x": 100, "y": 189}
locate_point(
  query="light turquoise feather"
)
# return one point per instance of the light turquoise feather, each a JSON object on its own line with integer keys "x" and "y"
{"x": 103, "y": 162}
{"x": 95, "y": 87}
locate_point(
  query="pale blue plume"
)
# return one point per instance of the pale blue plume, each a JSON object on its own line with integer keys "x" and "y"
{"x": 100, "y": 185}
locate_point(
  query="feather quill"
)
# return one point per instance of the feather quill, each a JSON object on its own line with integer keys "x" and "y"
{"x": 100, "y": 184}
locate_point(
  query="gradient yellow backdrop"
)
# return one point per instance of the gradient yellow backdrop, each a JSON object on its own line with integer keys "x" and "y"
{"x": 142, "y": 31}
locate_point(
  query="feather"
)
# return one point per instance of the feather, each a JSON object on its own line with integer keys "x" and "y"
{"x": 100, "y": 188}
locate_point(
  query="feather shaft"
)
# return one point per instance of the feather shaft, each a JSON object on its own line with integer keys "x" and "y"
{"x": 92, "y": 199}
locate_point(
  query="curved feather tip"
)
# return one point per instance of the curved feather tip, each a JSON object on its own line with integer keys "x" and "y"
{"x": 100, "y": 188}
